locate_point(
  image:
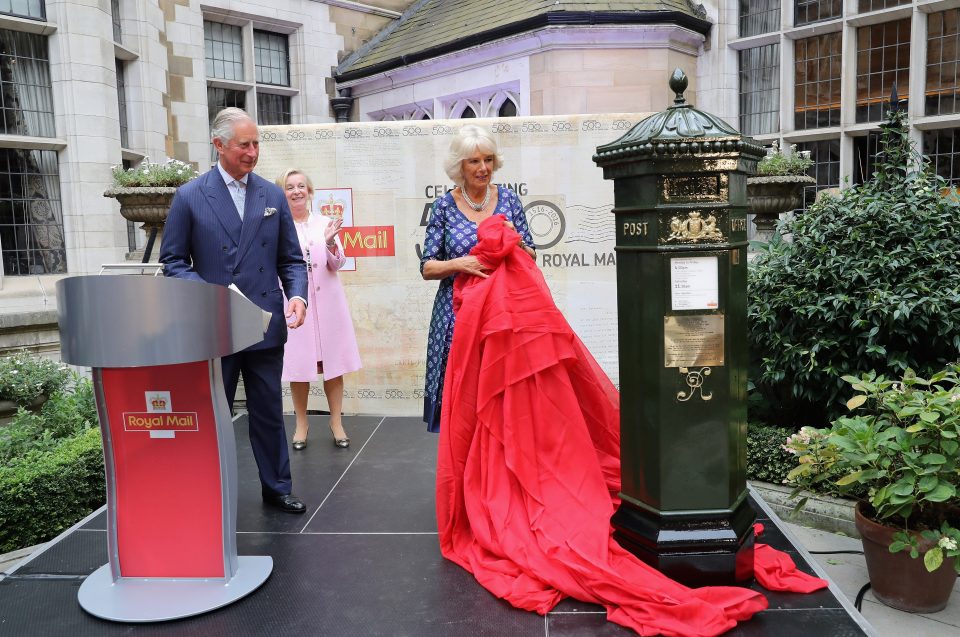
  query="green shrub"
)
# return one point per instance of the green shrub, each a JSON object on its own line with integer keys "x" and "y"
{"x": 46, "y": 491}
{"x": 51, "y": 467}
{"x": 24, "y": 378}
{"x": 767, "y": 460}
{"x": 67, "y": 413}
{"x": 870, "y": 281}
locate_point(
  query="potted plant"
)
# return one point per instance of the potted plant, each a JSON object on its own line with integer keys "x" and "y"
{"x": 777, "y": 188}
{"x": 145, "y": 192}
{"x": 899, "y": 449}
{"x": 26, "y": 381}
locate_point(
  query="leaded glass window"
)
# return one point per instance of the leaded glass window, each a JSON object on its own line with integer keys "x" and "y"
{"x": 31, "y": 216}
{"x": 883, "y": 60}
{"x": 26, "y": 96}
{"x": 24, "y": 8}
{"x": 273, "y": 109}
{"x": 943, "y": 58}
{"x": 817, "y": 64}
{"x": 807, "y": 11}
{"x": 759, "y": 16}
{"x": 272, "y": 58}
{"x": 825, "y": 169}
{"x": 760, "y": 90}
{"x": 223, "y": 44}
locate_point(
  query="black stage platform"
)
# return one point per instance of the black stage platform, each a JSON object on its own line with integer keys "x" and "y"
{"x": 363, "y": 561}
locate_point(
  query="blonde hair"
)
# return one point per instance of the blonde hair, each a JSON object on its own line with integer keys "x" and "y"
{"x": 290, "y": 172}
{"x": 468, "y": 140}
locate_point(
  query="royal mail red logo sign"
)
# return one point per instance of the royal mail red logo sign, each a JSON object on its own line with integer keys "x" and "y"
{"x": 170, "y": 421}
{"x": 368, "y": 241}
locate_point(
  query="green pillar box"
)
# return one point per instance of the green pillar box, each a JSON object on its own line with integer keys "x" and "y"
{"x": 680, "y": 182}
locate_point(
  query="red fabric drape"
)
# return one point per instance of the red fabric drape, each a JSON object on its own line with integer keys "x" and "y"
{"x": 528, "y": 466}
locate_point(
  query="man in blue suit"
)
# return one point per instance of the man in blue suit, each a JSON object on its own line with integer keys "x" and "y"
{"x": 231, "y": 226}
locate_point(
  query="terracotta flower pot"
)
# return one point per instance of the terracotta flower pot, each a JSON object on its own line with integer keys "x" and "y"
{"x": 898, "y": 580}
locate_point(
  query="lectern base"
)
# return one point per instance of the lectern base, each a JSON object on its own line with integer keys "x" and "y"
{"x": 131, "y": 599}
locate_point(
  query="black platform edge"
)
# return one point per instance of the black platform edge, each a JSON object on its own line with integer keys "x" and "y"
{"x": 814, "y": 565}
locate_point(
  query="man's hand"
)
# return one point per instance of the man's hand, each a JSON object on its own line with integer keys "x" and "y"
{"x": 298, "y": 310}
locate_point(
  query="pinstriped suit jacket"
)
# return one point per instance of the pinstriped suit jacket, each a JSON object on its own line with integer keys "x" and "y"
{"x": 205, "y": 240}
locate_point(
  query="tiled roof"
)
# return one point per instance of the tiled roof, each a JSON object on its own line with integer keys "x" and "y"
{"x": 433, "y": 27}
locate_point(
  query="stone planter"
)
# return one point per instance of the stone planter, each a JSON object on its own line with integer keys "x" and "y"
{"x": 834, "y": 515}
{"x": 146, "y": 205}
{"x": 769, "y": 197}
{"x": 898, "y": 580}
{"x": 8, "y": 408}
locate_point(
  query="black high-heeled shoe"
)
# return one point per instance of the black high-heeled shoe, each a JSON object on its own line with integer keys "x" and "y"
{"x": 300, "y": 445}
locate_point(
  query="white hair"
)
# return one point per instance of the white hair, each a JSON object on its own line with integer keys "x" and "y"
{"x": 468, "y": 140}
{"x": 225, "y": 121}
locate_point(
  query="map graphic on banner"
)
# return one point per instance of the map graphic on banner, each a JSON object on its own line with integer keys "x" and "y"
{"x": 386, "y": 176}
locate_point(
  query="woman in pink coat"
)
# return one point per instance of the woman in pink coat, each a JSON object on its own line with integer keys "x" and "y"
{"x": 325, "y": 343}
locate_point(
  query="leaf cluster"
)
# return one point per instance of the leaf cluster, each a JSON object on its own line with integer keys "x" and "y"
{"x": 171, "y": 173}
{"x": 778, "y": 163}
{"x": 901, "y": 444}
{"x": 767, "y": 460}
{"x": 870, "y": 281}
{"x": 51, "y": 467}
{"x": 24, "y": 378}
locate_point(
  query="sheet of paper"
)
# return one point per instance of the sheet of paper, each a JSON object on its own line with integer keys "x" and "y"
{"x": 694, "y": 283}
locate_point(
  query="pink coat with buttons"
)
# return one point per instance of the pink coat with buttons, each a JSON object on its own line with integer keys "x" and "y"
{"x": 327, "y": 332}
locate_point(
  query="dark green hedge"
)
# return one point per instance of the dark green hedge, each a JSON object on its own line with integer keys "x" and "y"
{"x": 766, "y": 459}
{"x": 46, "y": 491}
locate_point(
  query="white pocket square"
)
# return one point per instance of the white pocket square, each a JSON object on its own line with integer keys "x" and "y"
{"x": 269, "y": 212}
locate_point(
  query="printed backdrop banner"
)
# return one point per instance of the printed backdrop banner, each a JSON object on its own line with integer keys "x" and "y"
{"x": 383, "y": 177}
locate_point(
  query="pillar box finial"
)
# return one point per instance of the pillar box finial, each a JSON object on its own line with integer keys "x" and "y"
{"x": 678, "y": 83}
{"x": 681, "y": 235}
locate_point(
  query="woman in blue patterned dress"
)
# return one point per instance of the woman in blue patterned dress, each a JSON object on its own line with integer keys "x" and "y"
{"x": 452, "y": 233}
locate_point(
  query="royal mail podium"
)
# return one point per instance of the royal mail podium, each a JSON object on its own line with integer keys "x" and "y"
{"x": 154, "y": 346}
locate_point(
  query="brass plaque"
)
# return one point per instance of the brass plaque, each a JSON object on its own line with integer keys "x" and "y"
{"x": 693, "y": 188}
{"x": 693, "y": 340}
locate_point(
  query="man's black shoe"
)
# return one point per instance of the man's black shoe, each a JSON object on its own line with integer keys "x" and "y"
{"x": 285, "y": 502}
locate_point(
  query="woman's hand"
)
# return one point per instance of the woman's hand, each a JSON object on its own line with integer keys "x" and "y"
{"x": 330, "y": 232}
{"x": 470, "y": 264}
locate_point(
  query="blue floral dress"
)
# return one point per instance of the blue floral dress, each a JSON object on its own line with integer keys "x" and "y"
{"x": 450, "y": 235}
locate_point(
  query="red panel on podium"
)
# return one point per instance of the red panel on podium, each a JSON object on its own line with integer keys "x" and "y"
{"x": 169, "y": 503}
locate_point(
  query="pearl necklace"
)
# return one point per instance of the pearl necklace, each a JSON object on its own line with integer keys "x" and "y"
{"x": 476, "y": 206}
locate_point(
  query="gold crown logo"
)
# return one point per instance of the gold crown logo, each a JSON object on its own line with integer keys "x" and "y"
{"x": 158, "y": 403}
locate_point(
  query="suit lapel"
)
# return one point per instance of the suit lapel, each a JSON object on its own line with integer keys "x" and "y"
{"x": 222, "y": 204}
{"x": 252, "y": 213}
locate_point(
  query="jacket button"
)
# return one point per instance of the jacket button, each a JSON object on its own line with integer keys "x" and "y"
{"x": 263, "y": 294}
{"x": 261, "y": 268}
{"x": 263, "y": 245}
{"x": 224, "y": 248}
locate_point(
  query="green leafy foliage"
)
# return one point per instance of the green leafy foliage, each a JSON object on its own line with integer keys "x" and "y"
{"x": 171, "y": 173}
{"x": 51, "y": 467}
{"x": 901, "y": 444}
{"x": 24, "y": 378}
{"x": 767, "y": 459}
{"x": 870, "y": 281}
{"x": 777, "y": 163}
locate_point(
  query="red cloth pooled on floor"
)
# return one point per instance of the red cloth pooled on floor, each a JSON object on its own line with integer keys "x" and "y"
{"x": 776, "y": 571}
{"x": 528, "y": 461}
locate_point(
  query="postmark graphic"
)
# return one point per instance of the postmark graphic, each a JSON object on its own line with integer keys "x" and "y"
{"x": 547, "y": 223}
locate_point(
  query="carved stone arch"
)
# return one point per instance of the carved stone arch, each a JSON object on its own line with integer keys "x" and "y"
{"x": 502, "y": 98}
